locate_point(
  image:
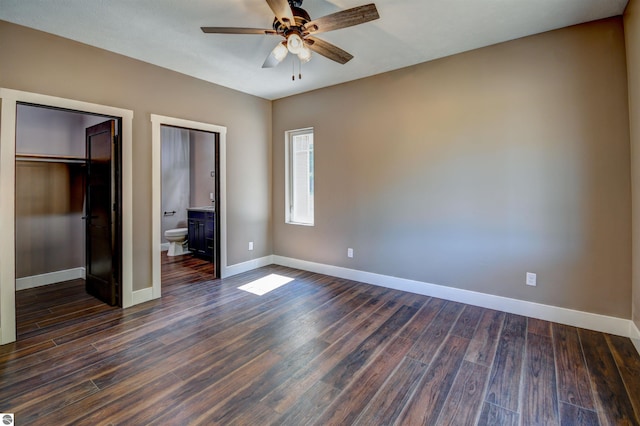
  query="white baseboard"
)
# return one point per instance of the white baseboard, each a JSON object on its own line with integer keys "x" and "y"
{"x": 634, "y": 335}
{"x": 141, "y": 296}
{"x": 49, "y": 278}
{"x": 249, "y": 265}
{"x": 597, "y": 322}
{"x": 164, "y": 246}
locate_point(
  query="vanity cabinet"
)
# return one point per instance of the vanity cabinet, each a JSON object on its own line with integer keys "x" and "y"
{"x": 201, "y": 232}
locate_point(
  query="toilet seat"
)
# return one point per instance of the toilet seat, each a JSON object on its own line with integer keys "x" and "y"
{"x": 178, "y": 232}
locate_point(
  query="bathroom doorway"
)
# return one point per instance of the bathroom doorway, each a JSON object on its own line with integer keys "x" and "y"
{"x": 67, "y": 210}
{"x": 190, "y": 192}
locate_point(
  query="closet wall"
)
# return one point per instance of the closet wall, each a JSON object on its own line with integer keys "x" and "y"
{"x": 49, "y": 193}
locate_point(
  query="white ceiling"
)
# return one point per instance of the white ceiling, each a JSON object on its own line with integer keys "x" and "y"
{"x": 167, "y": 33}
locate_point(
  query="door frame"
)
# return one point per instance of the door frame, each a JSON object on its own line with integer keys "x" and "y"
{"x": 156, "y": 194}
{"x": 9, "y": 99}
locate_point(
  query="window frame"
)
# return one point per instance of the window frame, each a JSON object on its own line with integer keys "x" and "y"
{"x": 289, "y": 177}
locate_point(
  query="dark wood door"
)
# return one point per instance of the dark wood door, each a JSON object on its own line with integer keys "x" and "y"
{"x": 100, "y": 210}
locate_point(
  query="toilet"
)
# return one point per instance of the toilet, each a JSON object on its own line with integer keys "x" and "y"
{"x": 177, "y": 238}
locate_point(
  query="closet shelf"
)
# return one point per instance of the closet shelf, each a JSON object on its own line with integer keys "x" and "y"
{"x": 51, "y": 158}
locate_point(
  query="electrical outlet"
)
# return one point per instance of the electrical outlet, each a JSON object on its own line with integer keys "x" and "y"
{"x": 349, "y": 252}
{"x": 250, "y": 245}
{"x": 531, "y": 279}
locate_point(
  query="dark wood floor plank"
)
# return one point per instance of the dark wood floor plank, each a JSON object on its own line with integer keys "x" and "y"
{"x": 467, "y": 322}
{"x": 144, "y": 389}
{"x": 492, "y": 415}
{"x": 306, "y": 409}
{"x": 363, "y": 387}
{"x": 320, "y": 349}
{"x": 9, "y": 357}
{"x": 612, "y": 402}
{"x": 372, "y": 301}
{"x": 504, "y": 381}
{"x": 46, "y": 401}
{"x": 571, "y": 415}
{"x": 423, "y": 318}
{"x": 466, "y": 396}
{"x": 390, "y": 399}
{"x": 24, "y": 381}
{"x": 482, "y": 348}
{"x": 117, "y": 407}
{"x": 427, "y": 402}
{"x": 341, "y": 374}
{"x": 282, "y": 397}
{"x": 56, "y": 355}
{"x": 540, "y": 398}
{"x": 539, "y": 327}
{"x": 435, "y": 334}
{"x": 149, "y": 406}
{"x": 75, "y": 315}
{"x": 236, "y": 407}
{"x": 196, "y": 408}
{"x": 574, "y": 386}
{"x": 628, "y": 361}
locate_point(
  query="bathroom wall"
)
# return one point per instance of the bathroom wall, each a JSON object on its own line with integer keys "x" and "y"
{"x": 202, "y": 160}
{"x": 175, "y": 177}
{"x": 50, "y": 196}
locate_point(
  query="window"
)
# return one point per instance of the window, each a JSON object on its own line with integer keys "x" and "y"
{"x": 299, "y": 177}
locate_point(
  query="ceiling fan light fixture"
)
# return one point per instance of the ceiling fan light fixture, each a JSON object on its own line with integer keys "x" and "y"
{"x": 294, "y": 43}
{"x": 304, "y": 55}
{"x": 280, "y": 52}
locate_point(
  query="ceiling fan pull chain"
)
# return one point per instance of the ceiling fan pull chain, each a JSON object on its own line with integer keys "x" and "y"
{"x": 300, "y": 70}
{"x": 293, "y": 69}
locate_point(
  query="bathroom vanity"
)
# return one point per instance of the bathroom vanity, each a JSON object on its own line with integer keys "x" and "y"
{"x": 201, "y": 231}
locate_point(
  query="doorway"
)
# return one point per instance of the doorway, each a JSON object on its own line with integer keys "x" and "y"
{"x": 157, "y": 121}
{"x": 10, "y": 100}
{"x": 67, "y": 211}
{"x": 189, "y": 194}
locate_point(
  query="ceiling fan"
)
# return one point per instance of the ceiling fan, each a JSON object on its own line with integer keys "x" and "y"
{"x": 298, "y": 29}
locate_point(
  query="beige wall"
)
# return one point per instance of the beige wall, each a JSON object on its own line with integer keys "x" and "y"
{"x": 38, "y": 62}
{"x": 472, "y": 170}
{"x": 632, "y": 38}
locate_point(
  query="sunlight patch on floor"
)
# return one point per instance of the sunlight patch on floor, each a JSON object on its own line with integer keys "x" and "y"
{"x": 265, "y": 284}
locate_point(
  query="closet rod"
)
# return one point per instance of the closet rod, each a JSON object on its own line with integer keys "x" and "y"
{"x": 51, "y": 158}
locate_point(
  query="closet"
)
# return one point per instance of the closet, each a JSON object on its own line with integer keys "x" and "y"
{"x": 51, "y": 184}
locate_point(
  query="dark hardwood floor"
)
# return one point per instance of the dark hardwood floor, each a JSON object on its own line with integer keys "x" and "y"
{"x": 318, "y": 350}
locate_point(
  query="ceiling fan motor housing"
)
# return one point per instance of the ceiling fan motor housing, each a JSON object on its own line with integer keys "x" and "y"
{"x": 301, "y": 17}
